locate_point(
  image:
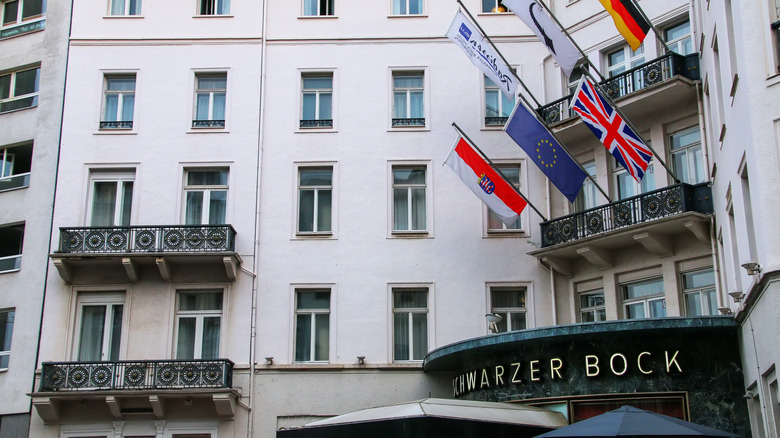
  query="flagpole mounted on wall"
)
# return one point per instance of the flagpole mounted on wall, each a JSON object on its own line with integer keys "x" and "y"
{"x": 493, "y": 166}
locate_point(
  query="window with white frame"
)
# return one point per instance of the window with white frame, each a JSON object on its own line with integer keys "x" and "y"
{"x": 11, "y": 244}
{"x": 313, "y": 8}
{"x": 408, "y": 99}
{"x": 15, "y": 165}
{"x": 699, "y": 293}
{"x": 19, "y": 89}
{"x": 498, "y": 107}
{"x": 99, "y": 331}
{"x": 407, "y": 7}
{"x": 627, "y": 186}
{"x": 125, "y": 7}
{"x": 592, "y": 306}
{"x": 588, "y": 196}
{"x": 214, "y": 7}
{"x": 6, "y": 332}
{"x": 493, "y": 6}
{"x": 118, "y": 101}
{"x": 687, "y": 155}
{"x": 624, "y": 59}
{"x": 409, "y": 198}
{"x": 679, "y": 39}
{"x": 205, "y": 196}
{"x": 312, "y": 325}
{"x": 317, "y": 100}
{"x": 111, "y": 198}
{"x": 775, "y": 26}
{"x": 509, "y": 302}
{"x": 18, "y": 11}
{"x": 198, "y": 323}
{"x": 315, "y": 200}
{"x": 644, "y": 299}
{"x": 410, "y": 323}
{"x": 495, "y": 225}
{"x": 210, "y": 99}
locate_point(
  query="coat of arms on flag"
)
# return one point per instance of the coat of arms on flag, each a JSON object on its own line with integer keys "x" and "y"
{"x": 611, "y": 129}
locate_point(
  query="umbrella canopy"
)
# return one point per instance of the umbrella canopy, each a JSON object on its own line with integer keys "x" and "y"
{"x": 629, "y": 421}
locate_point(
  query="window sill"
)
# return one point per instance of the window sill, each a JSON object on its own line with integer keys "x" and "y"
{"x": 208, "y": 131}
{"x": 316, "y": 17}
{"x": 506, "y": 233}
{"x": 315, "y": 130}
{"x": 408, "y": 16}
{"x": 493, "y": 128}
{"x": 115, "y": 132}
{"x": 410, "y": 235}
{"x": 314, "y": 236}
{"x": 214, "y": 16}
{"x": 10, "y": 271}
{"x": 480, "y": 14}
{"x": 409, "y": 129}
{"x": 773, "y": 80}
{"x": 119, "y": 17}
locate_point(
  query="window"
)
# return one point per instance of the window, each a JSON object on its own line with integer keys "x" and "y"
{"x": 111, "y": 198}
{"x": 315, "y": 192}
{"x": 317, "y": 101}
{"x": 125, "y": 7}
{"x": 509, "y": 302}
{"x": 407, "y": 7}
{"x": 409, "y": 203}
{"x": 592, "y": 306}
{"x": 205, "y": 197}
{"x": 644, "y": 299}
{"x": 198, "y": 323}
{"x": 678, "y": 38}
{"x": 408, "y": 108}
{"x": 497, "y": 106}
{"x": 699, "y": 293}
{"x": 622, "y": 60}
{"x": 6, "y": 331}
{"x": 100, "y": 326}
{"x": 19, "y": 11}
{"x": 313, "y": 8}
{"x": 210, "y": 95}
{"x": 587, "y": 198}
{"x": 214, "y": 7}
{"x": 493, "y": 6}
{"x": 687, "y": 155}
{"x": 118, "y": 102}
{"x": 19, "y": 89}
{"x": 312, "y": 325}
{"x": 11, "y": 242}
{"x": 410, "y": 324}
{"x": 512, "y": 174}
{"x": 627, "y": 185}
{"x": 776, "y": 32}
{"x": 15, "y": 164}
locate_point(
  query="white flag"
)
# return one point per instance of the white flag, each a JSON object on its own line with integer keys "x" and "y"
{"x": 548, "y": 31}
{"x": 482, "y": 54}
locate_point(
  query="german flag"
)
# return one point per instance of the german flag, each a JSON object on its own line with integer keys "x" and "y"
{"x": 628, "y": 20}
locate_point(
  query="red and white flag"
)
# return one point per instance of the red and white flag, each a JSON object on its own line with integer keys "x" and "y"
{"x": 485, "y": 182}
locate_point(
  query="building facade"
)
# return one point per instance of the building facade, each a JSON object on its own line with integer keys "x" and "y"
{"x": 33, "y": 55}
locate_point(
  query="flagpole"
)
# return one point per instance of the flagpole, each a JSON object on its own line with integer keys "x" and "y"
{"x": 652, "y": 26}
{"x": 565, "y": 32}
{"x": 633, "y": 128}
{"x": 474, "y": 145}
{"x": 520, "y": 81}
{"x": 552, "y": 134}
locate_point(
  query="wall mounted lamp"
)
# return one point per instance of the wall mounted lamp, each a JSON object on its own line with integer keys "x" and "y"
{"x": 752, "y": 267}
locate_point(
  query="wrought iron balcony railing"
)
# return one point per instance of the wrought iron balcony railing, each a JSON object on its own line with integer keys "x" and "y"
{"x": 127, "y": 124}
{"x": 630, "y": 81}
{"x": 208, "y": 123}
{"x": 324, "y": 123}
{"x": 646, "y": 207}
{"x": 136, "y": 375}
{"x": 409, "y": 122}
{"x": 148, "y": 239}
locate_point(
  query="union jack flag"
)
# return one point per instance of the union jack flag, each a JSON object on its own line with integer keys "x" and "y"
{"x": 623, "y": 143}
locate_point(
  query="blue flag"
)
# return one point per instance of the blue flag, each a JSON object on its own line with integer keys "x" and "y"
{"x": 534, "y": 138}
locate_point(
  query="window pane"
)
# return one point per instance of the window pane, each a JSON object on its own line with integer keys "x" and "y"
{"x": 194, "y": 209}
{"x": 202, "y": 106}
{"x": 92, "y": 329}
{"x": 116, "y": 332}
{"x": 309, "y": 106}
{"x": 644, "y": 288}
{"x": 416, "y": 105}
{"x": 591, "y": 300}
{"x": 399, "y": 7}
{"x": 212, "y": 82}
{"x": 316, "y": 177}
{"x": 518, "y": 320}
{"x": 313, "y": 300}
{"x": 321, "y": 340}
{"x": 210, "y": 342}
{"x": 200, "y": 301}
{"x": 185, "y": 345}
{"x": 310, "y": 7}
{"x": 686, "y": 138}
{"x": 415, "y": 6}
{"x": 207, "y": 177}
{"x": 223, "y": 7}
{"x": 5, "y": 86}
{"x": 128, "y": 102}
{"x": 399, "y": 105}
{"x": 636, "y": 310}
{"x": 26, "y": 82}
{"x": 120, "y": 84}
{"x": 218, "y": 112}
{"x": 323, "y": 210}
{"x": 488, "y": 5}
{"x": 217, "y": 207}
{"x": 6, "y": 330}
{"x": 127, "y": 203}
{"x": 710, "y": 301}
{"x": 418, "y": 208}
{"x": 420, "y": 335}
{"x": 31, "y": 8}
{"x": 695, "y": 280}
{"x": 103, "y": 203}
{"x": 491, "y": 103}
{"x": 415, "y": 81}
{"x": 657, "y": 308}
{"x": 678, "y": 31}
{"x": 112, "y": 108}
{"x": 117, "y": 7}
{"x": 693, "y": 304}
{"x": 11, "y": 12}
{"x": 306, "y": 210}
{"x": 317, "y": 82}
{"x": 408, "y": 175}
{"x": 401, "y": 336}
{"x": 303, "y": 337}
{"x": 135, "y": 7}
{"x": 502, "y": 298}
{"x": 325, "y": 106}
{"x": 400, "y": 209}
{"x": 410, "y": 299}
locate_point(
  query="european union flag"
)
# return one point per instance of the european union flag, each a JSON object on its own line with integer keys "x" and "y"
{"x": 534, "y": 138}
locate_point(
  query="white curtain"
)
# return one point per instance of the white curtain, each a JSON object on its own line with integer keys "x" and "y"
{"x": 92, "y": 330}
{"x": 103, "y": 203}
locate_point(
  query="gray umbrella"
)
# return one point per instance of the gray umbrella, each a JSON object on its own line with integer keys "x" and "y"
{"x": 629, "y": 421}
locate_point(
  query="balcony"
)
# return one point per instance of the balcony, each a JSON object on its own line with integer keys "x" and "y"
{"x": 176, "y": 251}
{"x": 136, "y": 388}
{"x": 647, "y": 76}
{"x": 649, "y": 219}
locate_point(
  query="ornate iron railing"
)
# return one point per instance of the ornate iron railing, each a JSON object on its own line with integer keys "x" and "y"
{"x": 409, "y": 122}
{"x": 324, "y": 123}
{"x": 116, "y": 124}
{"x": 646, "y": 207}
{"x": 132, "y": 374}
{"x": 208, "y": 123}
{"x": 495, "y": 121}
{"x": 630, "y": 81}
{"x": 148, "y": 239}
